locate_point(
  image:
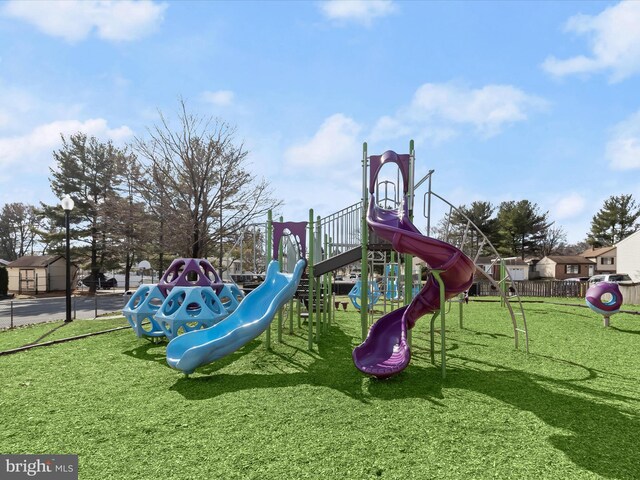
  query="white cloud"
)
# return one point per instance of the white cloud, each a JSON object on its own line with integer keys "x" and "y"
{"x": 614, "y": 40}
{"x": 568, "y": 206}
{"x": 623, "y": 148}
{"x": 34, "y": 149}
{"x": 335, "y": 141}
{"x": 437, "y": 110}
{"x": 358, "y": 11}
{"x": 220, "y": 98}
{"x": 75, "y": 20}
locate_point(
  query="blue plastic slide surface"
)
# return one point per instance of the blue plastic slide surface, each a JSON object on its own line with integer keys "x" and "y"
{"x": 254, "y": 315}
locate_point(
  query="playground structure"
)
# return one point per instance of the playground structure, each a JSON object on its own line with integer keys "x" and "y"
{"x": 604, "y": 298}
{"x": 373, "y": 295}
{"x": 386, "y": 351}
{"x": 347, "y": 239}
{"x": 189, "y": 296}
{"x": 379, "y": 234}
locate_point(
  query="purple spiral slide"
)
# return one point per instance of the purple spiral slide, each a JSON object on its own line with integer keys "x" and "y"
{"x": 385, "y": 352}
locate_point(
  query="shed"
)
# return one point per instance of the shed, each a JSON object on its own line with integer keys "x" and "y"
{"x": 562, "y": 267}
{"x": 39, "y": 274}
{"x": 628, "y": 256}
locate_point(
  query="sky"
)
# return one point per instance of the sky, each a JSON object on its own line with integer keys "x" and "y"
{"x": 505, "y": 100}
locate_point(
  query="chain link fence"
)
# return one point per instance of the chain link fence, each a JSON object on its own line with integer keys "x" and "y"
{"x": 32, "y": 310}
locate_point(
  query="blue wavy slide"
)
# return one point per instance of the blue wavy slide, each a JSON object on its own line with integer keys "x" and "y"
{"x": 252, "y": 317}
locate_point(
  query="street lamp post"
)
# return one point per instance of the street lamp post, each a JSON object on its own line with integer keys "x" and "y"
{"x": 67, "y": 206}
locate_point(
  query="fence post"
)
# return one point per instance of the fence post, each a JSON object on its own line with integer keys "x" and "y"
{"x": 95, "y": 305}
{"x": 11, "y": 322}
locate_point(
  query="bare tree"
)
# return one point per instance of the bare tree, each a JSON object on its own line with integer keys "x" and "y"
{"x": 18, "y": 230}
{"x": 200, "y": 177}
{"x": 552, "y": 241}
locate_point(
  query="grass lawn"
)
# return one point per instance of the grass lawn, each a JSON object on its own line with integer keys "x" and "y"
{"x": 45, "y": 332}
{"x": 569, "y": 409}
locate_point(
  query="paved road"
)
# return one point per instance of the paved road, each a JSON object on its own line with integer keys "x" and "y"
{"x": 28, "y": 311}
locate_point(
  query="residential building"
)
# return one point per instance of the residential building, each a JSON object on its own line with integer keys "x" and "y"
{"x": 561, "y": 267}
{"x": 628, "y": 256}
{"x": 604, "y": 259}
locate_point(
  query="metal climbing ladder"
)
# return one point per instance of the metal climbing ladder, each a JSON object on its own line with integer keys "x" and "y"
{"x": 474, "y": 250}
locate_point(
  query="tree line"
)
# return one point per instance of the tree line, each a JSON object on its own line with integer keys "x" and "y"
{"x": 521, "y": 229}
{"x": 180, "y": 191}
{"x": 188, "y": 190}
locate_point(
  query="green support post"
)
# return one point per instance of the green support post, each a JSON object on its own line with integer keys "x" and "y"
{"x": 503, "y": 282}
{"x": 268, "y": 256}
{"x": 310, "y": 294}
{"x": 291, "y": 316}
{"x": 281, "y": 262}
{"x": 408, "y": 289}
{"x": 461, "y": 296}
{"x": 327, "y": 292}
{"x": 318, "y": 241}
{"x": 364, "y": 229}
{"x": 443, "y": 351}
{"x": 408, "y": 259}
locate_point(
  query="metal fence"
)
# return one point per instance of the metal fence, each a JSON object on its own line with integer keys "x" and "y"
{"x": 27, "y": 311}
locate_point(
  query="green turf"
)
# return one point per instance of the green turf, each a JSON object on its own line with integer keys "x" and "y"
{"x": 45, "y": 332}
{"x": 570, "y": 409}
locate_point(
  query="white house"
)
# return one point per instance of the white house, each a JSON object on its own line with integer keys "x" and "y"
{"x": 628, "y": 253}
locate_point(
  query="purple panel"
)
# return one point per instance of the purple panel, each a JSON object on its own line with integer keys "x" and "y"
{"x": 385, "y": 352}
{"x": 297, "y": 229}
{"x": 178, "y": 272}
{"x": 377, "y": 161}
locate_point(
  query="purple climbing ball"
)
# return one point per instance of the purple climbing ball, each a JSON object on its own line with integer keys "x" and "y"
{"x": 608, "y": 306}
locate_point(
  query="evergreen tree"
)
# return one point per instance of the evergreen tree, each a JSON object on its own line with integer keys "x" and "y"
{"x": 90, "y": 172}
{"x": 521, "y": 227}
{"x": 454, "y": 226}
{"x": 617, "y": 219}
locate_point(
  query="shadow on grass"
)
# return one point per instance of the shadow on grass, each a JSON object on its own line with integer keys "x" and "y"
{"x": 45, "y": 335}
{"x": 599, "y": 437}
{"x": 156, "y": 352}
{"x": 596, "y": 433}
{"x": 330, "y": 366}
{"x": 622, "y": 330}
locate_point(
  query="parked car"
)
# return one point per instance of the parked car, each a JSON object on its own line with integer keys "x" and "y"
{"x": 577, "y": 279}
{"x": 610, "y": 277}
{"x": 101, "y": 281}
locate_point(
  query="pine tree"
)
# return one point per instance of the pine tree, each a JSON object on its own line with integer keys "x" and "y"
{"x": 617, "y": 219}
{"x": 91, "y": 172}
{"x": 454, "y": 226}
{"x": 521, "y": 227}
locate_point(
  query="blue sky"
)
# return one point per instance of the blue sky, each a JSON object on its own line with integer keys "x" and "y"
{"x": 506, "y": 100}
